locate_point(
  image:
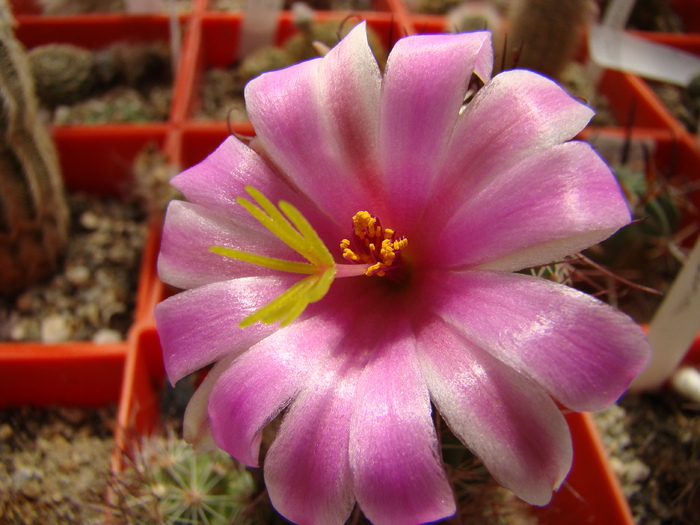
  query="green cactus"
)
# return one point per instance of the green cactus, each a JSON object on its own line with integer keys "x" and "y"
{"x": 33, "y": 211}
{"x": 63, "y": 74}
{"x": 329, "y": 33}
{"x": 267, "y": 58}
{"x": 169, "y": 482}
{"x": 77, "y": 7}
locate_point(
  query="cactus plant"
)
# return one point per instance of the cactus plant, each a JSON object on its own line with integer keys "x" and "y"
{"x": 63, "y": 74}
{"x": 168, "y": 482}
{"x": 33, "y": 211}
{"x": 547, "y": 32}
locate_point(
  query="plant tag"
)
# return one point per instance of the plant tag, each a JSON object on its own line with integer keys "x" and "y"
{"x": 675, "y": 325}
{"x": 618, "y": 13}
{"x": 259, "y": 24}
{"x": 615, "y": 49}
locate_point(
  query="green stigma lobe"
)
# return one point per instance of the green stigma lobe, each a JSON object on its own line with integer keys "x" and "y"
{"x": 287, "y": 223}
{"x": 290, "y": 304}
{"x": 267, "y": 262}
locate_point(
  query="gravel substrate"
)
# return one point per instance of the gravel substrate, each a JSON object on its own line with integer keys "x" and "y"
{"x": 654, "y": 444}
{"x": 54, "y": 465}
{"x": 94, "y": 297}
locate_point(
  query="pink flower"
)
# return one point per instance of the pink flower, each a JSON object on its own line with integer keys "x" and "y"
{"x": 472, "y": 189}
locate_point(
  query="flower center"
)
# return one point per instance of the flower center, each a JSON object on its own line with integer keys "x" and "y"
{"x": 373, "y": 251}
{"x": 377, "y": 247}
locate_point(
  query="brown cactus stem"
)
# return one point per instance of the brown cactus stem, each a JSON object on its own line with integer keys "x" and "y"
{"x": 33, "y": 211}
{"x": 547, "y": 32}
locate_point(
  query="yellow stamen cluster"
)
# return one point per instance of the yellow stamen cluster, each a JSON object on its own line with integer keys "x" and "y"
{"x": 380, "y": 246}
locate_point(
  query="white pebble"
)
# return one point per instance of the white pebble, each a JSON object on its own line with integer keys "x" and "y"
{"x": 89, "y": 220}
{"x": 686, "y": 381}
{"x": 55, "y": 329}
{"x": 20, "y": 331}
{"x": 78, "y": 275}
{"x": 106, "y": 335}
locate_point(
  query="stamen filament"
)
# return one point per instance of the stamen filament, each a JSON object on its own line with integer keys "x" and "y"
{"x": 267, "y": 262}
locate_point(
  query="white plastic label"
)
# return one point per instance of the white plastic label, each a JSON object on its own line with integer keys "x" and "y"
{"x": 614, "y": 49}
{"x": 144, "y": 6}
{"x": 675, "y": 325}
{"x": 259, "y": 24}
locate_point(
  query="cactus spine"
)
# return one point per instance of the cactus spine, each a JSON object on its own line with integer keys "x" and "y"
{"x": 33, "y": 212}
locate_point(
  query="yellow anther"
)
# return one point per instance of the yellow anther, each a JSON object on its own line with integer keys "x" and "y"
{"x": 378, "y": 247}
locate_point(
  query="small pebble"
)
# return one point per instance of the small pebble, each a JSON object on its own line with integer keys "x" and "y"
{"x": 107, "y": 335}
{"x": 73, "y": 415}
{"x": 32, "y": 489}
{"x": 55, "y": 329}
{"x": 24, "y": 303}
{"x": 6, "y": 432}
{"x": 78, "y": 275}
{"x": 89, "y": 220}
{"x": 19, "y": 331}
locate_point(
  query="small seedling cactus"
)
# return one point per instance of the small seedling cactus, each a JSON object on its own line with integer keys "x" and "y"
{"x": 33, "y": 211}
{"x": 63, "y": 74}
{"x": 169, "y": 482}
{"x": 262, "y": 60}
{"x": 301, "y": 46}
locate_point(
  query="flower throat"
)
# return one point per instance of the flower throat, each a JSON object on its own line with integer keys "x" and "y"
{"x": 374, "y": 250}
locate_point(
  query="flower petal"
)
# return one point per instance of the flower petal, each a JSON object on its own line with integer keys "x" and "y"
{"x": 219, "y": 179}
{"x": 508, "y": 421}
{"x": 317, "y": 121}
{"x": 551, "y": 204}
{"x": 582, "y": 351}
{"x": 262, "y": 381}
{"x": 307, "y": 472}
{"x": 424, "y": 86}
{"x": 200, "y": 326}
{"x": 196, "y": 429}
{"x": 517, "y": 113}
{"x": 394, "y": 456}
{"x": 190, "y": 230}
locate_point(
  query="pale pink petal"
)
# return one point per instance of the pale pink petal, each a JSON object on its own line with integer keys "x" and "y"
{"x": 262, "y": 381}
{"x": 394, "y": 455}
{"x": 514, "y": 115}
{"x": 424, "y": 86}
{"x": 580, "y": 350}
{"x": 307, "y": 472}
{"x": 200, "y": 326}
{"x": 508, "y": 421}
{"x": 196, "y": 430}
{"x": 190, "y": 230}
{"x": 219, "y": 179}
{"x": 222, "y": 177}
{"x": 549, "y": 205}
{"x": 317, "y": 121}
